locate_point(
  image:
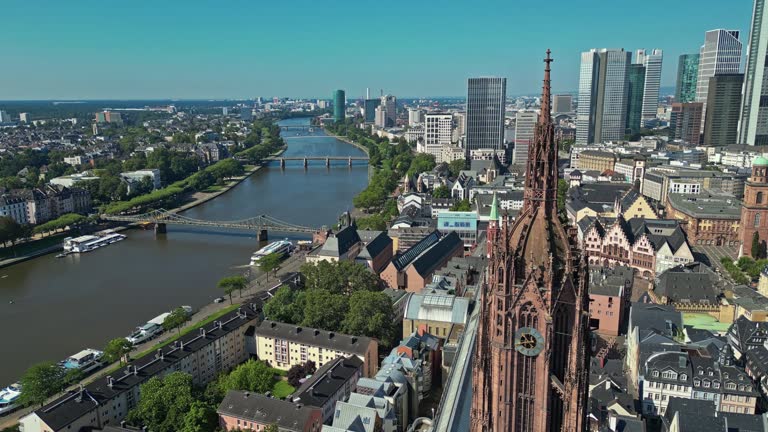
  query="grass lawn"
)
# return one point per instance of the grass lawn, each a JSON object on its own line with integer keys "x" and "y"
{"x": 282, "y": 389}
{"x": 214, "y": 188}
{"x": 31, "y": 247}
{"x": 184, "y": 331}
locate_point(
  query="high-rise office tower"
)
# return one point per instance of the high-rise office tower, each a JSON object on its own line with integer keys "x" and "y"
{"x": 530, "y": 370}
{"x": 415, "y": 116}
{"x": 721, "y": 124}
{"x": 685, "y": 122}
{"x": 652, "y": 62}
{"x": 603, "y": 81}
{"x": 25, "y": 117}
{"x": 370, "y": 109}
{"x": 562, "y": 103}
{"x": 4, "y": 117}
{"x": 339, "y": 105}
{"x": 389, "y": 104}
{"x": 753, "y": 122}
{"x": 635, "y": 100}
{"x": 525, "y": 125}
{"x": 721, "y": 53}
{"x": 585, "y": 113}
{"x": 380, "y": 117}
{"x": 486, "y": 99}
{"x": 438, "y": 130}
{"x": 687, "y": 77}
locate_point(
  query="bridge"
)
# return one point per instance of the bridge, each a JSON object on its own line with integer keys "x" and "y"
{"x": 261, "y": 224}
{"x": 327, "y": 159}
{"x": 309, "y": 128}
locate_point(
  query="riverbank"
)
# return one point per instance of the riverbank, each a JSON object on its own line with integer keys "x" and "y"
{"x": 347, "y": 140}
{"x": 198, "y": 198}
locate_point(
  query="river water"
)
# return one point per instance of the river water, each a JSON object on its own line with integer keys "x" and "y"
{"x": 60, "y": 306}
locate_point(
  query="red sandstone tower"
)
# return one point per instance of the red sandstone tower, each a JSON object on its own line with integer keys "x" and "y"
{"x": 531, "y": 363}
{"x": 754, "y": 207}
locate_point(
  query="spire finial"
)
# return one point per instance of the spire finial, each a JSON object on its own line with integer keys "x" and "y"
{"x": 545, "y": 92}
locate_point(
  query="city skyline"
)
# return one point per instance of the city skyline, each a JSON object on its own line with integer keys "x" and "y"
{"x": 86, "y": 51}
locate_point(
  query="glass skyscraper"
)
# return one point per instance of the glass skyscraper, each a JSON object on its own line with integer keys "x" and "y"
{"x": 603, "y": 81}
{"x": 635, "y": 85}
{"x": 753, "y": 123}
{"x": 339, "y": 105}
{"x": 652, "y": 62}
{"x": 687, "y": 76}
{"x": 723, "y": 105}
{"x": 486, "y": 99}
{"x": 720, "y": 54}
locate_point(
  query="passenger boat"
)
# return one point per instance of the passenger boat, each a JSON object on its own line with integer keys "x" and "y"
{"x": 281, "y": 247}
{"x": 9, "y": 398}
{"x": 88, "y": 243}
{"x": 86, "y": 361}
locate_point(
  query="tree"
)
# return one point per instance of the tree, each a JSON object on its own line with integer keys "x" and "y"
{"x": 562, "y": 191}
{"x": 370, "y": 314}
{"x": 323, "y": 309}
{"x": 285, "y": 306}
{"x": 755, "y": 245}
{"x": 253, "y": 375}
{"x": 202, "y": 180}
{"x": 10, "y": 230}
{"x": 175, "y": 320}
{"x": 272, "y": 428}
{"x": 455, "y": 167}
{"x": 201, "y": 417}
{"x": 420, "y": 163}
{"x": 341, "y": 277}
{"x": 269, "y": 262}
{"x": 116, "y": 349}
{"x": 40, "y": 382}
{"x": 441, "y": 191}
{"x": 297, "y": 372}
{"x": 164, "y": 402}
{"x": 231, "y": 284}
{"x": 463, "y": 205}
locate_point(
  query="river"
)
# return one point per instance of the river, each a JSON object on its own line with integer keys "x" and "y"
{"x": 60, "y": 306}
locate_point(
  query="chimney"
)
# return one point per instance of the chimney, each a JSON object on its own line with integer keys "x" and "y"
{"x": 181, "y": 345}
{"x": 613, "y": 421}
{"x": 159, "y": 354}
{"x": 202, "y": 332}
{"x": 110, "y": 381}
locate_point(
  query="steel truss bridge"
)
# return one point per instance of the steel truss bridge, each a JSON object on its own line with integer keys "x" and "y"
{"x": 305, "y": 159}
{"x": 261, "y": 224}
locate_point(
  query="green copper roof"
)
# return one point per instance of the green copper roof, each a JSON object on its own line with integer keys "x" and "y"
{"x": 760, "y": 161}
{"x": 494, "y": 208}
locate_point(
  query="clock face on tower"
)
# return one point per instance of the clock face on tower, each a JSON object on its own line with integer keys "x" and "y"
{"x": 528, "y": 341}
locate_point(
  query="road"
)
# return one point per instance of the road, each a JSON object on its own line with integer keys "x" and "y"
{"x": 259, "y": 282}
{"x": 715, "y": 253}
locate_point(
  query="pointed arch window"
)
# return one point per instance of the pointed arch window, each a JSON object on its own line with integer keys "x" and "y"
{"x": 757, "y": 219}
{"x": 500, "y": 275}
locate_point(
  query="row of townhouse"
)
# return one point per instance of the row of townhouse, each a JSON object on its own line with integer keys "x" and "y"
{"x": 39, "y": 205}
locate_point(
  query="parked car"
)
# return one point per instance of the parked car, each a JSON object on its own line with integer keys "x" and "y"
{"x": 218, "y": 300}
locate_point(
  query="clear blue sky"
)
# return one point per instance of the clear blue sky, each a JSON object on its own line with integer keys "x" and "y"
{"x": 238, "y": 49}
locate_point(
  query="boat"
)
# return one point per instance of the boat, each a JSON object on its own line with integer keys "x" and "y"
{"x": 144, "y": 333}
{"x": 281, "y": 247}
{"x": 62, "y": 255}
{"x": 86, "y": 361}
{"x": 9, "y": 398}
{"x": 88, "y": 243}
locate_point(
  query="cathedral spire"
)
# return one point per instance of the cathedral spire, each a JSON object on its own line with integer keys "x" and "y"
{"x": 546, "y": 97}
{"x": 541, "y": 171}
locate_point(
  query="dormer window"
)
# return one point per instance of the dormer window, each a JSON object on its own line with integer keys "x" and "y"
{"x": 656, "y": 373}
{"x": 706, "y": 383}
{"x": 701, "y": 372}
{"x": 725, "y": 375}
{"x": 716, "y": 384}
{"x": 696, "y": 382}
{"x": 683, "y": 377}
{"x": 711, "y": 373}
